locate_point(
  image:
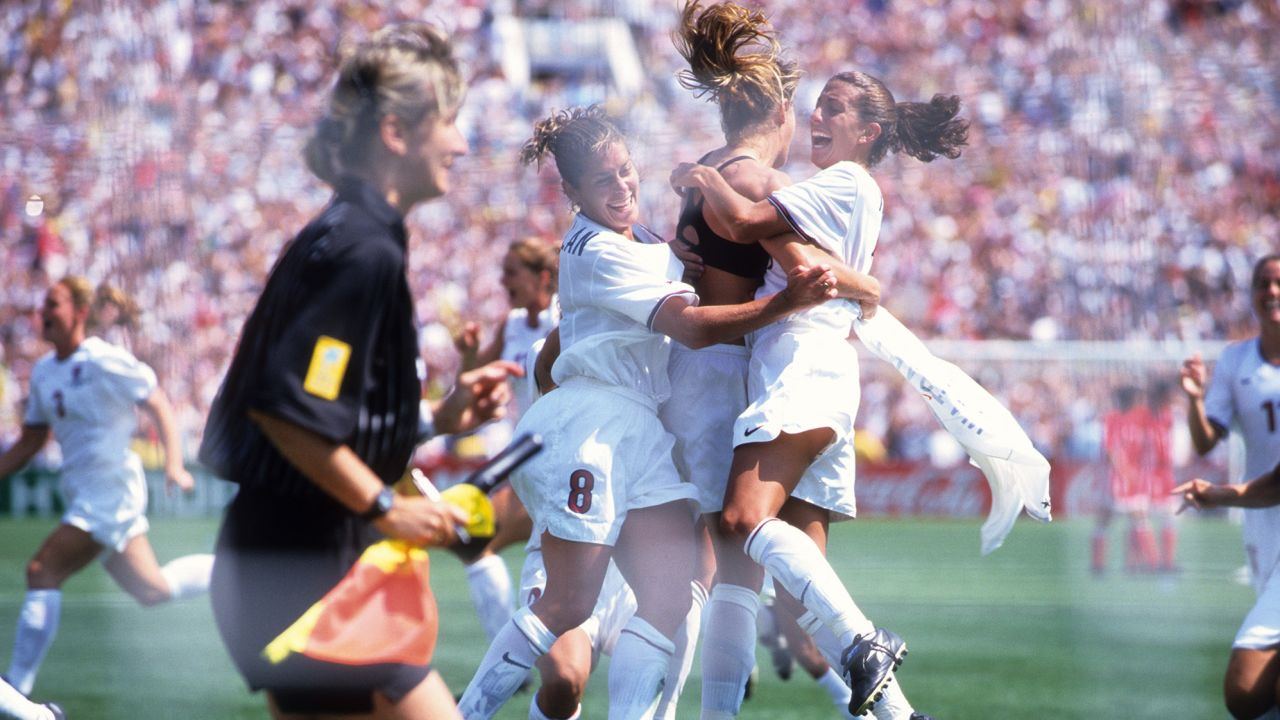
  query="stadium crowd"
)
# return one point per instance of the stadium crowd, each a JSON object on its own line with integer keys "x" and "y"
{"x": 1122, "y": 173}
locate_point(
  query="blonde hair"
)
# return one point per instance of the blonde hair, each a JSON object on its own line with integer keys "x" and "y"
{"x": 83, "y": 295}
{"x": 406, "y": 70}
{"x": 734, "y": 57}
{"x": 571, "y": 137}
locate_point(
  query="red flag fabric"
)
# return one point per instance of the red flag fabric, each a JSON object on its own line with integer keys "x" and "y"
{"x": 382, "y": 611}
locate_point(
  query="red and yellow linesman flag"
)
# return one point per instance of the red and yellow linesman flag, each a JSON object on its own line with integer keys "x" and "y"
{"x": 383, "y": 610}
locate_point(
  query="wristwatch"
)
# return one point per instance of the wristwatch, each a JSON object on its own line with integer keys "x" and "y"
{"x": 381, "y": 505}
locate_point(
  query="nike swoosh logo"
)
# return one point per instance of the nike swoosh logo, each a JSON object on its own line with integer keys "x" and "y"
{"x": 748, "y": 432}
{"x": 506, "y": 657}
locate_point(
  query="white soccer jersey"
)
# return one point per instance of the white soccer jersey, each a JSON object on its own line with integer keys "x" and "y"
{"x": 89, "y": 400}
{"x": 839, "y": 209}
{"x": 1244, "y": 397}
{"x": 611, "y": 288}
{"x": 517, "y": 340}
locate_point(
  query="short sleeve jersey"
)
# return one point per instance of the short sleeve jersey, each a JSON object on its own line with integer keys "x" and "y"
{"x": 1124, "y": 435}
{"x": 611, "y": 289}
{"x": 89, "y": 400}
{"x": 839, "y": 209}
{"x": 331, "y": 347}
{"x": 1244, "y": 397}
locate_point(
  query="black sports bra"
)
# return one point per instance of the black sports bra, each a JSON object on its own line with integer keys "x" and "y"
{"x": 743, "y": 260}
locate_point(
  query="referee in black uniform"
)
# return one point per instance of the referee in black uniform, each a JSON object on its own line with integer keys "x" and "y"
{"x": 319, "y": 412}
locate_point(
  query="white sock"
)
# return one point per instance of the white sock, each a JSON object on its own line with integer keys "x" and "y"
{"x": 728, "y": 649}
{"x": 491, "y": 593}
{"x": 796, "y": 563}
{"x": 37, "y": 626}
{"x": 188, "y": 575}
{"x": 14, "y": 704}
{"x": 834, "y": 686}
{"x": 893, "y": 705}
{"x": 535, "y": 712}
{"x": 686, "y": 643}
{"x": 826, "y": 641}
{"x": 506, "y": 664}
{"x": 637, "y": 670}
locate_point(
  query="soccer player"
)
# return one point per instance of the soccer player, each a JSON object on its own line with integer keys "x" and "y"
{"x": 529, "y": 275}
{"x": 1129, "y": 453}
{"x": 798, "y": 431}
{"x": 1244, "y": 396}
{"x": 319, "y": 412}
{"x": 605, "y": 487}
{"x": 86, "y": 393}
{"x": 735, "y": 61}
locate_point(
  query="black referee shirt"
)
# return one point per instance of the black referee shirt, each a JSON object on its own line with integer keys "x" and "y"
{"x": 331, "y": 346}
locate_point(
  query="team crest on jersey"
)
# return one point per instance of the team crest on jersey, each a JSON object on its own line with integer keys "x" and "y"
{"x": 328, "y": 367}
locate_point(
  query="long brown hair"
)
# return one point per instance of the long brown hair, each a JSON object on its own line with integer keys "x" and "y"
{"x": 922, "y": 130}
{"x": 734, "y": 57}
{"x": 571, "y": 136}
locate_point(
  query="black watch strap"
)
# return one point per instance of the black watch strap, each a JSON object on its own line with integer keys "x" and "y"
{"x": 381, "y": 505}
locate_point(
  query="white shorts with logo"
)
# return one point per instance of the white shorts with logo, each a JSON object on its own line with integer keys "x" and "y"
{"x": 614, "y": 607}
{"x": 708, "y": 393}
{"x": 1261, "y": 627}
{"x": 604, "y": 453}
{"x": 111, "y": 506}
{"x": 801, "y": 381}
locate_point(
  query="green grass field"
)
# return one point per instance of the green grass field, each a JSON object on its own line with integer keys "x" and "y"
{"x": 1024, "y": 633}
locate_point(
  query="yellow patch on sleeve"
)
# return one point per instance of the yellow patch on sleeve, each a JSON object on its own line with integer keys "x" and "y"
{"x": 328, "y": 366}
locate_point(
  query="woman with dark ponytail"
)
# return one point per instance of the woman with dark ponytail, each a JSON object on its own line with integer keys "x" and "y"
{"x": 803, "y": 380}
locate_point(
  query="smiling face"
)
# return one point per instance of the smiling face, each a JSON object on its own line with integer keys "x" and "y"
{"x": 430, "y": 148}
{"x": 836, "y": 131}
{"x": 1266, "y": 293}
{"x": 607, "y": 189}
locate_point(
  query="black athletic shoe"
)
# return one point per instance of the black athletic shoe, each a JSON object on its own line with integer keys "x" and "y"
{"x": 772, "y": 639}
{"x": 58, "y": 714}
{"x": 867, "y": 665}
{"x": 920, "y": 716}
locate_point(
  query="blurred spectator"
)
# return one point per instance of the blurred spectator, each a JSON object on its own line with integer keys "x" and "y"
{"x": 1121, "y": 171}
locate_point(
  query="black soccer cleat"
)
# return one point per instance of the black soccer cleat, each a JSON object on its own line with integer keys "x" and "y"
{"x": 920, "y": 716}
{"x": 867, "y": 666}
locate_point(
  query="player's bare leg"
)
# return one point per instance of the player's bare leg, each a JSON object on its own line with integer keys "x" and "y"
{"x": 1250, "y": 686}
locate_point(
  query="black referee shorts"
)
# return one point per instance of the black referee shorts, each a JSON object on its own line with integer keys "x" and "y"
{"x": 275, "y": 558}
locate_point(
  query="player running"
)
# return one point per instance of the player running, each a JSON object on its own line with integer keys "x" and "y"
{"x": 85, "y": 393}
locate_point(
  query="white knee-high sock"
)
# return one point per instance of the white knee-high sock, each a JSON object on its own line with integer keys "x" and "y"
{"x": 686, "y": 643}
{"x": 826, "y": 641}
{"x": 832, "y": 684}
{"x": 37, "y": 627}
{"x": 893, "y": 705}
{"x": 14, "y": 704}
{"x": 506, "y": 664}
{"x": 795, "y": 562}
{"x": 637, "y": 670}
{"x": 728, "y": 649}
{"x": 188, "y": 575}
{"x": 491, "y": 594}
